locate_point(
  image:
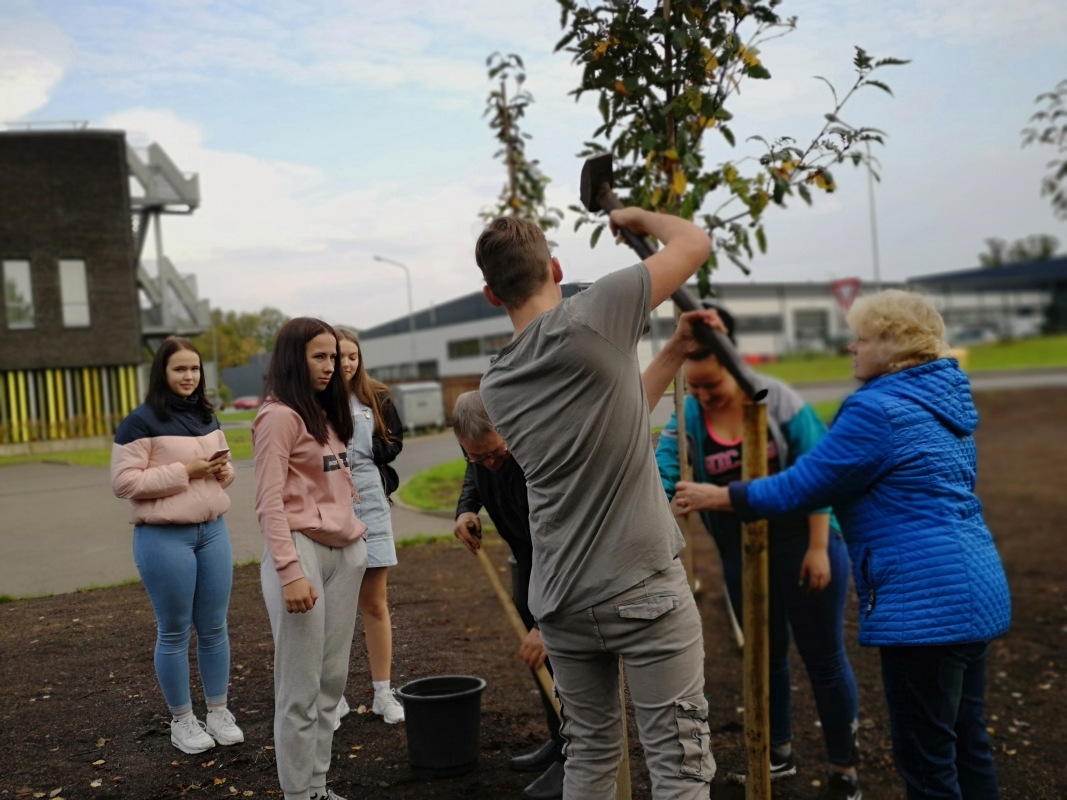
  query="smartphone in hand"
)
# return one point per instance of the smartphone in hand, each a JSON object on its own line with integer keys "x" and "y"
{"x": 219, "y": 454}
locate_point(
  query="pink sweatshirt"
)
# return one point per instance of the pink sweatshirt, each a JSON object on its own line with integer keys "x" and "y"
{"x": 301, "y": 485}
{"x": 148, "y": 468}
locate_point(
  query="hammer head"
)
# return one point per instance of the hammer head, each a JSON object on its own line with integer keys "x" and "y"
{"x": 595, "y": 173}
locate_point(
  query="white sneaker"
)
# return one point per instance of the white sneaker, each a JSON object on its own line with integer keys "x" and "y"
{"x": 343, "y": 710}
{"x": 223, "y": 727}
{"x": 327, "y": 794}
{"x": 388, "y": 707}
{"x": 188, "y": 734}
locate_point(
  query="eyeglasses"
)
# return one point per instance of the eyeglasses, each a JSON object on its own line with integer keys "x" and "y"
{"x": 498, "y": 454}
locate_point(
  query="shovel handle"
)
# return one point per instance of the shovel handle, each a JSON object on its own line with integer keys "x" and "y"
{"x": 717, "y": 341}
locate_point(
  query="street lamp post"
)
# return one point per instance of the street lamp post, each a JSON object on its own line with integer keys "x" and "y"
{"x": 411, "y": 312}
{"x": 870, "y": 196}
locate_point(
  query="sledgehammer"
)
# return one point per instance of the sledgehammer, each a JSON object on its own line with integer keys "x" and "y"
{"x": 597, "y": 195}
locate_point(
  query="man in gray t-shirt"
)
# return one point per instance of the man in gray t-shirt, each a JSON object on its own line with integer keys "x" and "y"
{"x": 566, "y": 395}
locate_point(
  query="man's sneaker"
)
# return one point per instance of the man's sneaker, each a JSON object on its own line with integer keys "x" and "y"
{"x": 781, "y": 767}
{"x": 223, "y": 727}
{"x": 841, "y": 787}
{"x": 388, "y": 707}
{"x": 325, "y": 794}
{"x": 343, "y": 710}
{"x": 189, "y": 735}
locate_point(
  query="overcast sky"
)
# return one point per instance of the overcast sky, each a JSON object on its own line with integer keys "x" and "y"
{"x": 326, "y": 133}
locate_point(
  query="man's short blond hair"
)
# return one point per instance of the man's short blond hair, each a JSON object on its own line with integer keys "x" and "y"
{"x": 905, "y": 326}
{"x": 513, "y": 255}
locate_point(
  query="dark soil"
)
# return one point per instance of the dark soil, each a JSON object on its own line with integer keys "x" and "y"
{"x": 81, "y": 715}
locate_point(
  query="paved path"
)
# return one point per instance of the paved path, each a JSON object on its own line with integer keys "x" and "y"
{"x": 62, "y": 529}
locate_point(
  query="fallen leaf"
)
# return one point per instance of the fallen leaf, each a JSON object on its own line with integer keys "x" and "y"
{"x": 55, "y": 792}
{"x": 357, "y": 747}
{"x": 102, "y": 741}
{"x": 220, "y": 781}
{"x": 207, "y": 764}
{"x": 95, "y": 784}
{"x": 248, "y": 793}
{"x": 361, "y": 710}
{"x": 98, "y": 762}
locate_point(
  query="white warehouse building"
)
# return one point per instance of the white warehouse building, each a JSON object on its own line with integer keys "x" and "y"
{"x": 453, "y": 342}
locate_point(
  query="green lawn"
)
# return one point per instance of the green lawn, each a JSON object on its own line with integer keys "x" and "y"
{"x": 1046, "y": 351}
{"x": 436, "y": 488}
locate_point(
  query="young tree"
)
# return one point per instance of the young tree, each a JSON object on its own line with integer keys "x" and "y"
{"x": 1049, "y": 126}
{"x": 524, "y": 193}
{"x": 663, "y": 77}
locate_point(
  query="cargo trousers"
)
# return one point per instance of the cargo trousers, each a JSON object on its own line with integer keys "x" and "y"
{"x": 655, "y": 629}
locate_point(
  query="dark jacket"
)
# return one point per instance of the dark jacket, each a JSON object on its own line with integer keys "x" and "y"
{"x": 503, "y": 494}
{"x": 384, "y": 452}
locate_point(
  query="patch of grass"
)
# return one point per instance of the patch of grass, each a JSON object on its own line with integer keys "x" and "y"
{"x": 96, "y": 457}
{"x": 6, "y": 598}
{"x": 1035, "y": 353}
{"x": 426, "y": 538}
{"x": 240, "y": 442}
{"x": 809, "y": 368}
{"x": 244, "y": 415}
{"x": 437, "y": 488}
{"x": 1044, "y": 351}
{"x": 826, "y": 409}
{"x": 96, "y": 587}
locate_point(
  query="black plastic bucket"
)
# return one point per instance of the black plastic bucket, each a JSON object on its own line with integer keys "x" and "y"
{"x": 443, "y": 716}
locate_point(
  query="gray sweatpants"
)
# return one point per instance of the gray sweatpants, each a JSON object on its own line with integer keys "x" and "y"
{"x": 655, "y": 628}
{"x": 311, "y": 652}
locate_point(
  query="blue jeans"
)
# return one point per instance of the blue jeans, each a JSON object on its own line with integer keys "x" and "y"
{"x": 817, "y": 624}
{"x": 936, "y": 697}
{"x": 187, "y": 571}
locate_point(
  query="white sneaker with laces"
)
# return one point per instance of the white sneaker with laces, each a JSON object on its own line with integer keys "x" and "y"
{"x": 388, "y": 707}
{"x": 188, "y": 734}
{"x": 327, "y": 794}
{"x": 343, "y": 710}
{"x": 223, "y": 727}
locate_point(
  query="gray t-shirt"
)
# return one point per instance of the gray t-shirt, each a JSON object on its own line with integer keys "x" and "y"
{"x": 567, "y": 397}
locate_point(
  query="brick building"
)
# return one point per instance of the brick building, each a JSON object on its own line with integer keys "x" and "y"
{"x": 70, "y": 328}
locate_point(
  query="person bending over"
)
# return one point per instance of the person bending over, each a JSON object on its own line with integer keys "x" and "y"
{"x": 495, "y": 481}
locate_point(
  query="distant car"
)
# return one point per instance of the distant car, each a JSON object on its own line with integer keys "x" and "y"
{"x": 251, "y": 401}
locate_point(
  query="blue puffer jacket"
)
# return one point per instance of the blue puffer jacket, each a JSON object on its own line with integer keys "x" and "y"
{"x": 898, "y": 466}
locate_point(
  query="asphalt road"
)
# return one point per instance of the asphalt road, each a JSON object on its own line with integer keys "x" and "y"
{"x": 62, "y": 529}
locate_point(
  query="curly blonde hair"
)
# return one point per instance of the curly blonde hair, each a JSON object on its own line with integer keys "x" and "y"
{"x": 905, "y": 326}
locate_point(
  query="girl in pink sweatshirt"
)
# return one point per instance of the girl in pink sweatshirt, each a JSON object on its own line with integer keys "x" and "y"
{"x": 171, "y": 462}
{"x": 315, "y": 555}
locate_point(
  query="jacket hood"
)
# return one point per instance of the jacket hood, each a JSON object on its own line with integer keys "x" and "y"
{"x": 940, "y": 387}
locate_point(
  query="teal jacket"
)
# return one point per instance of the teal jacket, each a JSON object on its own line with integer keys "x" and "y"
{"x": 792, "y": 424}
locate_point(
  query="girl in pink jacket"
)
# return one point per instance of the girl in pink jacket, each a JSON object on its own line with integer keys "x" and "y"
{"x": 170, "y": 460}
{"x": 316, "y": 554}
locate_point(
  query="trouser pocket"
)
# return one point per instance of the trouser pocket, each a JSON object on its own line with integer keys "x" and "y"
{"x": 691, "y": 714}
{"x": 650, "y": 607}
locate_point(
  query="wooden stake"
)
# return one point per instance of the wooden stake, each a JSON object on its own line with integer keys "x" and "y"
{"x": 685, "y": 473}
{"x": 622, "y": 780}
{"x": 754, "y": 614}
{"x": 543, "y": 678}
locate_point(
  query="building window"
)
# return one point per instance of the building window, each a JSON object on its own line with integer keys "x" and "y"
{"x": 484, "y": 346}
{"x": 758, "y": 323}
{"x": 464, "y": 348}
{"x": 74, "y": 292}
{"x": 18, "y": 295}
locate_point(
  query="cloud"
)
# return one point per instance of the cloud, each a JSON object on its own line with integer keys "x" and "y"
{"x": 27, "y": 78}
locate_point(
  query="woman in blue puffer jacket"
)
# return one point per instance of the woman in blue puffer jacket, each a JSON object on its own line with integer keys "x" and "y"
{"x": 898, "y": 466}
